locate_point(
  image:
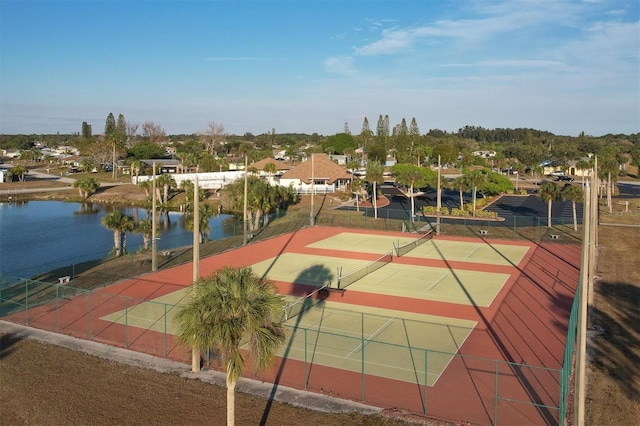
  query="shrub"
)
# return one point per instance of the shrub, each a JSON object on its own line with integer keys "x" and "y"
{"x": 496, "y": 184}
{"x": 459, "y": 212}
{"x": 432, "y": 210}
{"x": 486, "y": 214}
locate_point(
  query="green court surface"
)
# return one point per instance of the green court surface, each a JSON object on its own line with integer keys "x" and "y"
{"x": 392, "y": 344}
{"x": 305, "y": 268}
{"x": 156, "y": 314}
{"x": 438, "y": 284}
{"x": 418, "y": 282}
{"x": 405, "y": 346}
{"x": 476, "y": 252}
{"x": 362, "y": 243}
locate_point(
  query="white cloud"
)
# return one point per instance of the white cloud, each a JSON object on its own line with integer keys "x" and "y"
{"x": 340, "y": 65}
{"x": 493, "y": 20}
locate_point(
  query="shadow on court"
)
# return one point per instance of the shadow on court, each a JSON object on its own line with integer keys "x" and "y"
{"x": 315, "y": 298}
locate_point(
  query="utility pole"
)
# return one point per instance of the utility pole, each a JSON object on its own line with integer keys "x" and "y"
{"x": 195, "y": 352}
{"x": 312, "y": 212}
{"x": 439, "y": 199}
{"x": 246, "y": 196}
{"x": 154, "y": 260}
{"x": 593, "y": 241}
{"x": 581, "y": 346}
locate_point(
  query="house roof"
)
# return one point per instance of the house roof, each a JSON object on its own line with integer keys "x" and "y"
{"x": 323, "y": 168}
{"x": 280, "y": 165}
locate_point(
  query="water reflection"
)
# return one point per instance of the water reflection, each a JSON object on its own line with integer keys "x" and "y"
{"x": 38, "y": 236}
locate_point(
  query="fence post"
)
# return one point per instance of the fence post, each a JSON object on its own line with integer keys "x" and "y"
{"x": 26, "y": 302}
{"x": 426, "y": 380}
{"x": 126, "y": 322}
{"x": 165, "y": 331}
{"x": 362, "y": 345}
{"x": 58, "y": 309}
{"x": 89, "y": 313}
{"x": 306, "y": 373}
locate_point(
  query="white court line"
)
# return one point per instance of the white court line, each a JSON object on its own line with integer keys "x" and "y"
{"x": 382, "y": 328}
{"x": 473, "y": 252}
{"x": 454, "y": 355}
{"x": 303, "y": 327}
{"x": 435, "y": 284}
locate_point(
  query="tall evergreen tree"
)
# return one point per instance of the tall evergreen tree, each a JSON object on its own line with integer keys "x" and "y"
{"x": 402, "y": 143}
{"x": 86, "y": 130}
{"x": 414, "y": 135}
{"x": 382, "y": 131}
{"x": 366, "y": 135}
{"x": 110, "y": 136}
{"x": 121, "y": 131}
{"x": 110, "y": 127}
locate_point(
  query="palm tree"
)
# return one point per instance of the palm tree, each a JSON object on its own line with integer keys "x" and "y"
{"x": 137, "y": 166}
{"x": 270, "y": 169}
{"x": 575, "y": 194}
{"x": 120, "y": 224}
{"x": 166, "y": 182}
{"x": 475, "y": 178}
{"x": 549, "y": 192}
{"x": 86, "y": 186}
{"x": 206, "y": 212}
{"x": 608, "y": 171}
{"x": 227, "y": 310}
{"x": 461, "y": 183}
{"x": 145, "y": 227}
{"x": 374, "y": 176}
{"x": 412, "y": 175}
{"x": 18, "y": 171}
{"x": 87, "y": 164}
{"x": 356, "y": 186}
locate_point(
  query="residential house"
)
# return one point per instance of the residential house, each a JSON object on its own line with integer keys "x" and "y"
{"x": 281, "y": 168}
{"x": 318, "y": 173}
{"x": 484, "y": 153}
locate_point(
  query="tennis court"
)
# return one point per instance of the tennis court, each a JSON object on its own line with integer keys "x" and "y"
{"x": 450, "y": 250}
{"x": 459, "y": 315}
{"x": 376, "y": 341}
{"x": 419, "y": 282}
{"x": 365, "y": 339}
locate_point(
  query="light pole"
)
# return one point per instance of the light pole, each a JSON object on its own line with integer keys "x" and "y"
{"x": 154, "y": 260}
{"x": 439, "y": 199}
{"x": 246, "y": 196}
{"x": 313, "y": 179}
{"x": 195, "y": 352}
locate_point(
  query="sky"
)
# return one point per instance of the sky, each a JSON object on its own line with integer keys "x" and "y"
{"x": 317, "y": 66}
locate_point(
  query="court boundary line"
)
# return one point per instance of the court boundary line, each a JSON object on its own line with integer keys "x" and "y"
{"x": 456, "y": 354}
{"x": 372, "y": 336}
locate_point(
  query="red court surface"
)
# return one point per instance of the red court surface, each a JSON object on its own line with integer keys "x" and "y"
{"x": 525, "y": 325}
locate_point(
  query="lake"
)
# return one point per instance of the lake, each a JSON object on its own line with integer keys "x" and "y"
{"x": 39, "y": 236}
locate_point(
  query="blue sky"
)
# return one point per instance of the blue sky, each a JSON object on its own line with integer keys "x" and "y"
{"x": 308, "y": 66}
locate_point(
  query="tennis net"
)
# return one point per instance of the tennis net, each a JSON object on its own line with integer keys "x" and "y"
{"x": 402, "y": 250}
{"x": 347, "y": 279}
{"x": 309, "y": 301}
